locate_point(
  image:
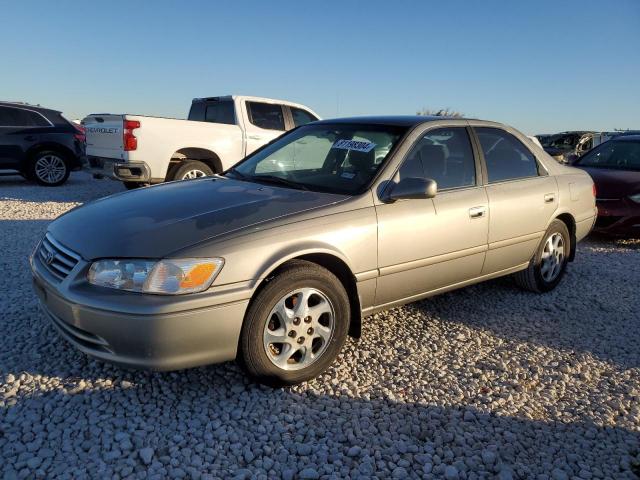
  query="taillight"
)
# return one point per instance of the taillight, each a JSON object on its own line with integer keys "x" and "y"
{"x": 80, "y": 134}
{"x": 129, "y": 140}
{"x": 594, "y": 191}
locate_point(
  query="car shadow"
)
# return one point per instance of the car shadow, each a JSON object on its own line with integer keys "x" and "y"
{"x": 576, "y": 317}
{"x": 212, "y": 413}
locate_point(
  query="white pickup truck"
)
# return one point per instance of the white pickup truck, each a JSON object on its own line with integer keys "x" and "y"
{"x": 220, "y": 131}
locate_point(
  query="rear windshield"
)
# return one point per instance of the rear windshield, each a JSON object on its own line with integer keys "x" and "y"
{"x": 617, "y": 155}
{"x": 214, "y": 112}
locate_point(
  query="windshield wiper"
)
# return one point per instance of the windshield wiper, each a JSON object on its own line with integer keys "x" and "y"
{"x": 278, "y": 180}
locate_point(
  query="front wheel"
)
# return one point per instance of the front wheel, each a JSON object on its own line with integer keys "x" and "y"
{"x": 548, "y": 265}
{"x": 48, "y": 168}
{"x": 295, "y": 326}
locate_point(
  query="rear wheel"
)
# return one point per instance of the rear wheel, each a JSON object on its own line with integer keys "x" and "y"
{"x": 296, "y": 326}
{"x": 49, "y": 168}
{"x": 547, "y": 267}
{"x": 191, "y": 169}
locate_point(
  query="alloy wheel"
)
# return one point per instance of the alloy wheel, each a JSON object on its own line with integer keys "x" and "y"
{"x": 299, "y": 329}
{"x": 50, "y": 168}
{"x": 193, "y": 174}
{"x": 552, "y": 257}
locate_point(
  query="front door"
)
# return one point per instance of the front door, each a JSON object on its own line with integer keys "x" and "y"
{"x": 427, "y": 244}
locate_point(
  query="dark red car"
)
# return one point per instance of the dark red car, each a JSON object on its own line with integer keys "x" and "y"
{"x": 615, "y": 169}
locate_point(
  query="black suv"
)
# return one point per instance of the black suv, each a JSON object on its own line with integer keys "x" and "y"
{"x": 39, "y": 143}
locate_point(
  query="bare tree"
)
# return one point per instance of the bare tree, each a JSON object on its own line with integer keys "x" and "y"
{"x": 443, "y": 112}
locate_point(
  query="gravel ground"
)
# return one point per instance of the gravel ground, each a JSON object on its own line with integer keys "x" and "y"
{"x": 485, "y": 382}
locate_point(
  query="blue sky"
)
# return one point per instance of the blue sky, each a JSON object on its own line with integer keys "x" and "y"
{"x": 540, "y": 66}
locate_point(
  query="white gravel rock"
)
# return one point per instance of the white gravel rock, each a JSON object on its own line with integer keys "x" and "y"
{"x": 485, "y": 382}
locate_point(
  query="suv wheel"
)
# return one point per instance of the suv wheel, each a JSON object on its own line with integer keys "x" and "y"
{"x": 191, "y": 169}
{"x": 49, "y": 168}
{"x": 548, "y": 265}
{"x": 295, "y": 326}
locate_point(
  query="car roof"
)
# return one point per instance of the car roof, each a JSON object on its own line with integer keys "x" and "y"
{"x": 392, "y": 120}
{"x": 28, "y": 106}
{"x": 627, "y": 138}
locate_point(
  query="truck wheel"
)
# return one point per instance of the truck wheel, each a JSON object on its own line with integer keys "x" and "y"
{"x": 191, "y": 169}
{"x": 48, "y": 168}
{"x": 548, "y": 265}
{"x": 295, "y": 326}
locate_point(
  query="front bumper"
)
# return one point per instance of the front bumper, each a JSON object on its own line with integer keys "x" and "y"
{"x": 156, "y": 332}
{"x": 117, "y": 170}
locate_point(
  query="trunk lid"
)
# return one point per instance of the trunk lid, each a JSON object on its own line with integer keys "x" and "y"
{"x": 104, "y": 135}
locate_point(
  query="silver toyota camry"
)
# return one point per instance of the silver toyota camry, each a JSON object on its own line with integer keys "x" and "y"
{"x": 275, "y": 262}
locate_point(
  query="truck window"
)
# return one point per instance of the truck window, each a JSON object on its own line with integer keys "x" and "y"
{"x": 266, "y": 115}
{"x": 213, "y": 112}
{"x": 301, "y": 117}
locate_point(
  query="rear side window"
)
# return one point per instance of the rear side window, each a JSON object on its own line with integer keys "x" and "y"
{"x": 444, "y": 155}
{"x": 266, "y": 115}
{"x": 18, "y": 117}
{"x": 301, "y": 117}
{"x": 213, "y": 112}
{"x": 506, "y": 157}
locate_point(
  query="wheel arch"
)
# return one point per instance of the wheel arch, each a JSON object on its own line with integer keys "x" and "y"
{"x": 204, "y": 155}
{"x": 331, "y": 261}
{"x": 40, "y": 147}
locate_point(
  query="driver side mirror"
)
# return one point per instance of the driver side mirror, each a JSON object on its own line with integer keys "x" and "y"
{"x": 413, "y": 188}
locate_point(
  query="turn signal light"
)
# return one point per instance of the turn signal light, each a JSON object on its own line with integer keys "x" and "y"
{"x": 129, "y": 140}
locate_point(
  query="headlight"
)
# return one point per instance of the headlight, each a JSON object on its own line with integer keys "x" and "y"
{"x": 635, "y": 198}
{"x": 168, "y": 277}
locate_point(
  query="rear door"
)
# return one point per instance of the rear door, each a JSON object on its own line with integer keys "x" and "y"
{"x": 522, "y": 198}
{"x": 266, "y": 121}
{"x": 104, "y": 135}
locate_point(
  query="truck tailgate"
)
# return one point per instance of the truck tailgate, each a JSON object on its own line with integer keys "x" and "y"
{"x": 104, "y": 135}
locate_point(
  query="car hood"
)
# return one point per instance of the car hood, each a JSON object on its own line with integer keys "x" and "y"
{"x": 611, "y": 183}
{"x": 157, "y": 221}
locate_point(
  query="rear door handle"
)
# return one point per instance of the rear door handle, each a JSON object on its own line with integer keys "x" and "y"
{"x": 477, "y": 212}
{"x": 549, "y": 197}
{"x": 255, "y": 137}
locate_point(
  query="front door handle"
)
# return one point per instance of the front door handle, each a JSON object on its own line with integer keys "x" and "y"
{"x": 255, "y": 137}
{"x": 477, "y": 212}
{"x": 549, "y": 197}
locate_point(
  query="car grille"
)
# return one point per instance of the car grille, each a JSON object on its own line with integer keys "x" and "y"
{"x": 57, "y": 259}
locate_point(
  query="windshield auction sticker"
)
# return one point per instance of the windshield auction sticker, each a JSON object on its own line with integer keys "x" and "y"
{"x": 353, "y": 145}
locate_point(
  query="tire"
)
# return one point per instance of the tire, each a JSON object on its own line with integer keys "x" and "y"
{"x": 49, "y": 168}
{"x": 537, "y": 277}
{"x": 191, "y": 169}
{"x": 287, "y": 363}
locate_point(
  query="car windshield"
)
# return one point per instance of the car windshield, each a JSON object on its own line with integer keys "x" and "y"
{"x": 334, "y": 158}
{"x": 617, "y": 155}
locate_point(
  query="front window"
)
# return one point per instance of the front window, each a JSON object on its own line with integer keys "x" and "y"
{"x": 301, "y": 117}
{"x": 444, "y": 155}
{"x": 331, "y": 158}
{"x": 617, "y": 155}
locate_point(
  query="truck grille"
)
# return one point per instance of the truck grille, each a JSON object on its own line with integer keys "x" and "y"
{"x": 56, "y": 258}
